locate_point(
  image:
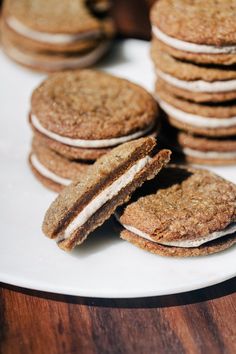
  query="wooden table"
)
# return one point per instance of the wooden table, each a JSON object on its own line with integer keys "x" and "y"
{"x": 202, "y": 321}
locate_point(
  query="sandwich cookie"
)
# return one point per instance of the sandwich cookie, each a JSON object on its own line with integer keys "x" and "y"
{"x": 83, "y": 114}
{"x": 49, "y": 29}
{"x": 86, "y": 204}
{"x": 194, "y": 82}
{"x": 52, "y": 170}
{"x": 202, "y": 32}
{"x": 210, "y": 151}
{"x": 207, "y": 119}
{"x": 186, "y": 212}
{"x": 41, "y": 61}
{"x": 196, "y": 149}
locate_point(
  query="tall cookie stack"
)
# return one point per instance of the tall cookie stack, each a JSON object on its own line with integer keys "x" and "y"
{"x": 51, "y": 35}
{"x": 194, "y": 53}
{"x": 78, "y": 116}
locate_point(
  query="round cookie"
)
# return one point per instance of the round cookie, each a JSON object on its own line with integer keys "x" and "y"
{"x": 200, "y": 150}
{"x": 30, "y": 45}
{"x": 91, "y": 110}
{"x": 54, "y": 62}
{"x": 194, "y": 82}
{"x": 197, "y": 149}
{"x": 52, "y": 170}
{"x": 108, "y": 183}
{"x": 72, "y": 153}
{"x": 206, "y": 119}
{"x": 76, "y": 153}
{"x": 198, "y": 97}
{"x": 185, "y": 212}
{"x": 202, "y": 32}
{"x": 49, "y": 25}
{"x": 47, "y": 36}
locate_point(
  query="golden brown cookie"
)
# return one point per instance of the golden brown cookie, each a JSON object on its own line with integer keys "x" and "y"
{"x": 37, "y": 32}
{"x": 197, "y": 149}
{"x": 51, "y": 62}
{"x": 184, "y": 212}
{"x": 53, "y": 170}
{"x": 198, "y": 97}
{"x": 207, "y": 119}
{"x": 198, "y": 31}
{"x": 85, "y": 111}
{"x": 195, "y": 82}
{"x": 109, "y": 182}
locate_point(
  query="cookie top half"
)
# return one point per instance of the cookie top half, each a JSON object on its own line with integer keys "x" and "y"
{"x": 209, "y": 22}
{"x": 92, "y": 105}
{"x": 52, "y": 16}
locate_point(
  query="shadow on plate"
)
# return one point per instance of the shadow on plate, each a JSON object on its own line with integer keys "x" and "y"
{"x": 104, "y": 237}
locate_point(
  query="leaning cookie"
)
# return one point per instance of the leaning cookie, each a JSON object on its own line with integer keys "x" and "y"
{"x": 87, "y": 203}
{"x": 53, "y": 170}
{"x": 185, "y": 212}
{"x": 85, "y": 113}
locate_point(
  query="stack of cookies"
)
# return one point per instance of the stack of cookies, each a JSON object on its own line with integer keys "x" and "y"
{"x": 194, "y": 53}
{"x": 53, "y": 35}
{"x": 78, "y": 116}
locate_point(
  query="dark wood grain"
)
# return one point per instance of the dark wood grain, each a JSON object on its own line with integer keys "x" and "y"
{"x": 196, "y": 322}
{"x": 132, "y": 18}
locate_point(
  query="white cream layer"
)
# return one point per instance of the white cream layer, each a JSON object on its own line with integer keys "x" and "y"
{"x": 47, "y": 173}
{"x": 80, "y": 61}
{"x": 192, "y": 47}
{"x": 198, "y": 85}
{"x": 209, "y": 154}
{"x": 87, "y": 143}
{"x": 185, "y": 243}
{"x": 52, "y": 38}
{"x": 103, "y": 197}
{"x": 196, "y": 120}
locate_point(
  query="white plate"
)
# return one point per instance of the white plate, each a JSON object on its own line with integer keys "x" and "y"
{"x": 104, "y": 266}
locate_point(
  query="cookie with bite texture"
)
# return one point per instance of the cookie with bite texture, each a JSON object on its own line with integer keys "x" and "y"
{"x": 38, "y": 33}
{"x": 184, "y": 212}
{"x": 194, "y": 82}
{"x": 207, "y": 119}
{"x": 86, "y": 204}
{"x": 197, "y": 31}
{"x": 85, "y": 113}
{"x": 196, "y": 149}
{"x": 53, "y": 170}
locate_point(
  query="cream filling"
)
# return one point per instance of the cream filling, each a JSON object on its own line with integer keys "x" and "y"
{"x": 47, "y": 173}
{"x": 209, "y": 154}
{"x": 103, "y": 197}
{"x": 192, "y": 47}
{"x": 87, "y": 143}
{"x": 198, "y": 85}
{"x": 52, "y": 38}
{"x": 67, "y": 63}
{"x": 185, "y": 243}
{"x": 196, "y": 120}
